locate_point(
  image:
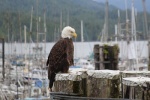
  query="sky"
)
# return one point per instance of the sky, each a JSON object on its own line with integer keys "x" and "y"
{"x": 121, "y": 4}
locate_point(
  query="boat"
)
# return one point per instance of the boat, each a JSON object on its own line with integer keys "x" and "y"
{"x": 18, "y": 85}
{"x": 7, "y": 94}
{"x": 84, "y": 63}
{"x": 36, "y": 74}
{"x": 131, "y": 54}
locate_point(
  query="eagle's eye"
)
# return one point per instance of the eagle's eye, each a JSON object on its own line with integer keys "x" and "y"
{"x": 71, "y": 31}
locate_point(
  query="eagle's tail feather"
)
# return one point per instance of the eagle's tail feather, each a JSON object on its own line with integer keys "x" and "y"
{"x": 52, "y": 79}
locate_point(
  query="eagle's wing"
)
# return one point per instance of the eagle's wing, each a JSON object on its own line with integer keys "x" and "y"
{"x": 70, "y": 52}
{"x": 57, "y": 52}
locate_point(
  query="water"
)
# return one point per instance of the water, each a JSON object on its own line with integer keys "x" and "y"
{"x": 81, "y": 49}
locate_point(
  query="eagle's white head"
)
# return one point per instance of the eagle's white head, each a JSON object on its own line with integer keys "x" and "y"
{"x": 68, "y": 32}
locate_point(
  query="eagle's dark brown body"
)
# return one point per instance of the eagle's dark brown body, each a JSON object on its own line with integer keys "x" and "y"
{"x": 60, "y": 58}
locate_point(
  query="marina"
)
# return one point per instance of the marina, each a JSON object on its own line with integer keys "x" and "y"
{"x": 74, "y": 50}
{"x": 29, "y": 78}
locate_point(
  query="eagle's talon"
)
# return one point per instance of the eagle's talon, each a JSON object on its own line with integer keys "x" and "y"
{"x": 50, "y": 89}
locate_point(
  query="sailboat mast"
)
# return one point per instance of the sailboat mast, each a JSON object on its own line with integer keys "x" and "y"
{"x": 133, "y": 22}
{"x": 106, "y": 22}
{"x": 31, "y": 21}
{"x": 25, "y": 41}
{"x": 116, "y": 33}
{"x": 133, "y": 30}
{"x": 118, "y": 28}
{"x": 104, "y": 37}
{"x": 126, "y": 9}
{"x": 127, "y": 23}
{"x": 45, "y": 31}
{"x": 9, "y": 39}
{"x": 20, "y": 27}
{"x": 20, "y": 31}
{"x": 37, "y": 35}
{"x": 127, "y": 33}
{"x": 30, "y": 30}
{"x": 60, "y": 22}
{"x": 145, "y": 17}
{"x": 82, "y": 39}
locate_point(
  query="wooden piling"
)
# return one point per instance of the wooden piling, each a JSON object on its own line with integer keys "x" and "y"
{"x": 103, "y": 84}
{"x": 96, "y": 57}
{"x": 71, "y": 83}
{"x": 106, "y": 56}
{"x": 135, "y": 74}
{"x": 137, "y": 88}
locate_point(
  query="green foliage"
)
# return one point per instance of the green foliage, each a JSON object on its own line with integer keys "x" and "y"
{"x": 116, "y": 50}
{"x": 14, "y": 14}
{"x": 105, "y": 50}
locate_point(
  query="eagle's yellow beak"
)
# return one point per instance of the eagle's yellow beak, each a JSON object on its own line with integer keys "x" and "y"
{"x": 74, "y": 35}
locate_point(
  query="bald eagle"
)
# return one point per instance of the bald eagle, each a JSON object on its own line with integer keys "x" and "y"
{"x": 61, "y": 55}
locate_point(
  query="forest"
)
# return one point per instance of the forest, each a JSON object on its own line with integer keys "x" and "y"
{"x": 15, "y": 14}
